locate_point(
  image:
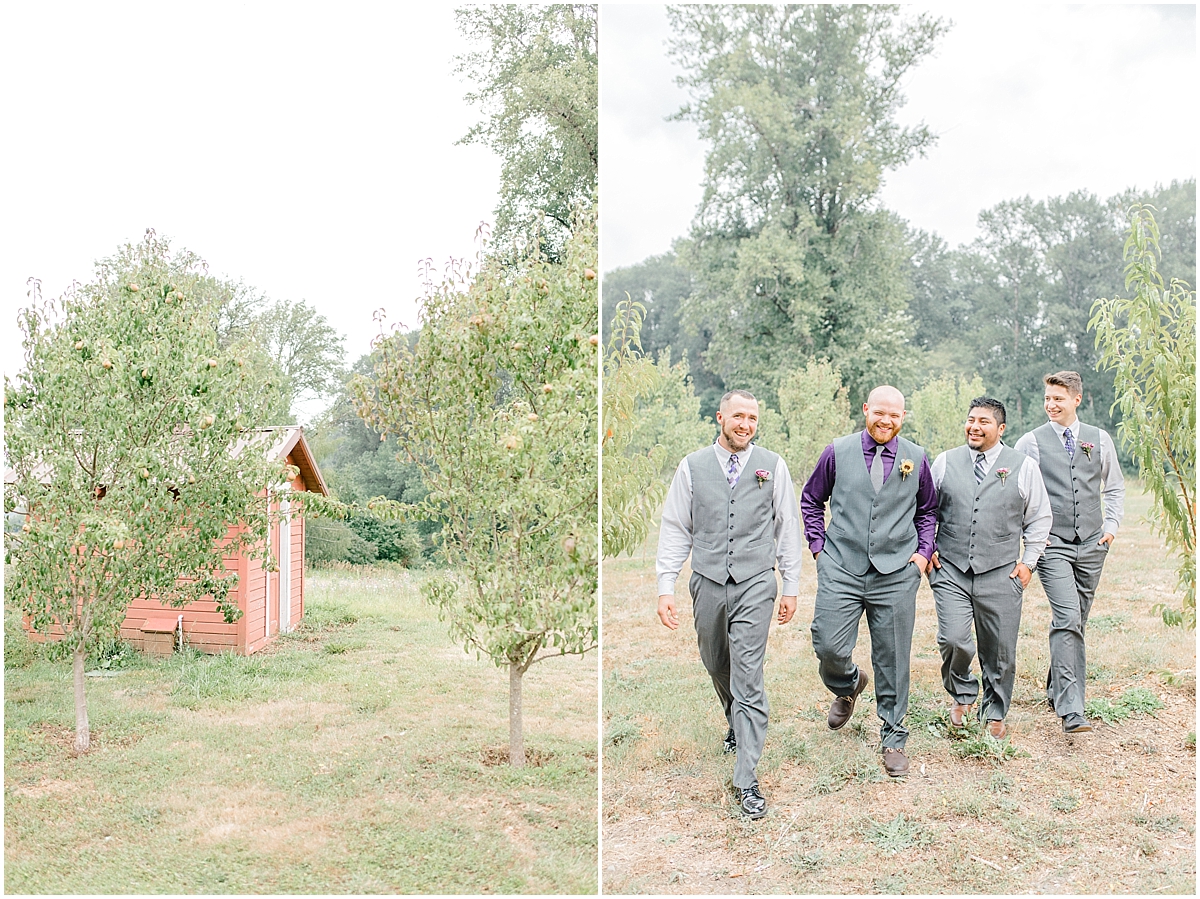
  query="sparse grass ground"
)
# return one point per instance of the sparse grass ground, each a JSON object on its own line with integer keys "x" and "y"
{"x": 362, "y": 754}
{"x": 1109, "y": 812}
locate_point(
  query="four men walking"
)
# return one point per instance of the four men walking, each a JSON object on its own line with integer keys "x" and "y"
{"x": 980, "y": 521}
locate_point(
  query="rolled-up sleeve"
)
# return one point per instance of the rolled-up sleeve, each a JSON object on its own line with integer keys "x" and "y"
{"x": 788, "y": 549}
{"x": 1113, "y": 491}
{"x": 813, "y": 497}
{"x": 925, "y": 518}
{"x": 675, "y": 533}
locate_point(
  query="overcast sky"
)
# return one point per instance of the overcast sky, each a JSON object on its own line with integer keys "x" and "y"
{"x": 307, "y": 149}
{"x": 310, "y": 150}
{"x": 1039, "y": 100}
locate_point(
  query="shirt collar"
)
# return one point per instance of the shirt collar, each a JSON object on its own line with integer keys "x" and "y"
{"x": 990, "y": 455}
{"x": 1074, "y": 426}
{"x": 724, "y": 454}
{"x": 869, "y": 444}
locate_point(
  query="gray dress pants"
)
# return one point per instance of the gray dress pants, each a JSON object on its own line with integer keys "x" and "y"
{"x": 732, "y": 622}
{"x": 1070, "y": 573}
{"x": 992, "y": 601}
{"x": 890, "y": 604}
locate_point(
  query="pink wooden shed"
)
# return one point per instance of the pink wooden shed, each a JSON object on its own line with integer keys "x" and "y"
{"x": 271, "y": 602}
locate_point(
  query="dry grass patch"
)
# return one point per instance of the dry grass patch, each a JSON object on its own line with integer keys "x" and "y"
{"x": 1113, "y": 811}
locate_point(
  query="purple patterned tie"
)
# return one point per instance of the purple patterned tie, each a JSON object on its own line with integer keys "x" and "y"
{"x": 1070, "y": 441}
{"x": 732, "y": 475}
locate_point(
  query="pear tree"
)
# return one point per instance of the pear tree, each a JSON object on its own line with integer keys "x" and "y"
{"x": 127, "y": 437}
{"x": 496, "y": 403}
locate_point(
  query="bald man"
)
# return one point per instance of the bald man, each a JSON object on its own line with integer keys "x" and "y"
{"x": 883, "y": 516}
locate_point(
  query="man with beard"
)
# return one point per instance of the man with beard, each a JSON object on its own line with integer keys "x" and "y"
{"x": 732, "y": 506}
{"x": 1079, "y": 464}
{"x": 990, "y": 498}
{"x": 883, "y": 513}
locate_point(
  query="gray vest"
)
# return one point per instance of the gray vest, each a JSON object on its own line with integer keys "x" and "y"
{"x": 868, "y": 528}
{"x": 733, "y": 531}
{"x": 979, "y": 526}
{"x": 1073, "y": 484}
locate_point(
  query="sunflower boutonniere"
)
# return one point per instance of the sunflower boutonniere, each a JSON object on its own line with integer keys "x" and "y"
{"x": 906, "y": 468}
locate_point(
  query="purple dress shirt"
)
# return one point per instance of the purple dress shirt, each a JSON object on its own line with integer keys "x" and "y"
{"x": 820, "y": 487}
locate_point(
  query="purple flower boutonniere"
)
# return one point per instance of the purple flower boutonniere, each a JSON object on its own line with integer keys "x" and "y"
{"x": 1087, "y": 449}
{"x": 1002, "y": 474}
{"x": 763, "y": 476}
{"x": 906, "y": 468}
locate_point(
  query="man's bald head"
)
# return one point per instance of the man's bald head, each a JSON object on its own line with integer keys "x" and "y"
{"x": 884, "y": 412}
{"x": 885, "y": 393}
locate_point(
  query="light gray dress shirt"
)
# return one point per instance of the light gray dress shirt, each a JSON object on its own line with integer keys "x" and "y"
{"x": 675, "y": 534}
{"x": 1039, "y": 517}
{"x": 1113, "y": 491}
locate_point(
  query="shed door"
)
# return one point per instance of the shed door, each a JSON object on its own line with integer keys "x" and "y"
{"x": 285, "y": 567}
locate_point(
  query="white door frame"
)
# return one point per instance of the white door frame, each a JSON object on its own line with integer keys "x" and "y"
{"x": 285, "y": 566}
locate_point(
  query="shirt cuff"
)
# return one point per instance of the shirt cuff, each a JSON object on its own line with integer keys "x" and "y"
{"x": 790, "y": 588}
{"x": 666, "y": 584}
{"x": 1110, "y": 527}
{"x": 1030, "y": 560}
{"x": 816, "y": 545}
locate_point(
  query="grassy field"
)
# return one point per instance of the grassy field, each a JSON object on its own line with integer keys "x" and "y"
{"x": 1109, "y": 812}
{"x": 361, "y": 754}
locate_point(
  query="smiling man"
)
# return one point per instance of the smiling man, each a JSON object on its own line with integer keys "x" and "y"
{"x": 732, "y": 506}
{"x": 882, "y": 509}
{"x": 989, "y": 498}
{"x": 1079, "y": 465}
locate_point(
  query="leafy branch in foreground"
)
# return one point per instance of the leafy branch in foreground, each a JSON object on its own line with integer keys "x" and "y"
{"x": 1149, "y": 342}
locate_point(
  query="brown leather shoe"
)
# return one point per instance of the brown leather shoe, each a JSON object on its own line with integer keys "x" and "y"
{"x": 958, "y": 713}
{"x": 842, "y": 708}
{"x": 997, "y": 729}
{"x": 895, "y": 762}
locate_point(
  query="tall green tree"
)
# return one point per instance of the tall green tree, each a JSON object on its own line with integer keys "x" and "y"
{"x": 127, "y": 432}
{"x": 535, "y": 76}
{"x": 790, "y": 254}
{"x": 814, "y": 408}
{"x": 937, "y": 412}
{"x": 496, "y": 403}
{"x": 661, "y": 284}
{"x": 651, "y": 420}
{"x": 1148, "y": 341}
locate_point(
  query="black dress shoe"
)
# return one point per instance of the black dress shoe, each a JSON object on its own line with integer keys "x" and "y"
{"x": 730, "y": 744}
{"x": 753, "y": 803}
{"x": 1075, "y": 723}
{"x": 842, "y": 708}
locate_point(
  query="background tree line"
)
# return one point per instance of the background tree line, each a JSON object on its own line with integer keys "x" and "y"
{"x": 794, "y": 271}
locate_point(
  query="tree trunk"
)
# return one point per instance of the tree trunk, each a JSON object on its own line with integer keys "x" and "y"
{"x": 516, "y": 736}
{"x": 83, "y": 734}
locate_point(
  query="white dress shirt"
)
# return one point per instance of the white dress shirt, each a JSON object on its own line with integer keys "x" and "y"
{"x": 675, "y": 534}
{"x": 1113, "y": 491}
{"x": 1038, "y": 516}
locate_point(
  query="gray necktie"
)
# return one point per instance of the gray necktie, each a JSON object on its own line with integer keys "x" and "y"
{"x": 877, "y": 468}
{"x": 979, "y": 469}
{"x": 732, "y": 474}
